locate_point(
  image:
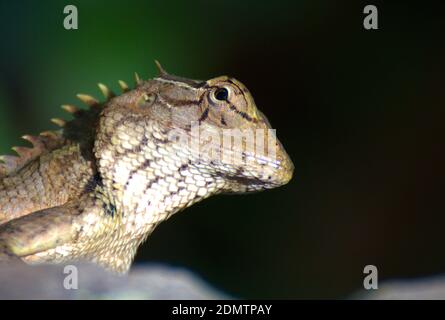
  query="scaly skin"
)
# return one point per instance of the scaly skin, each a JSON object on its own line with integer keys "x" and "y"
{"x": 98, "y": 187}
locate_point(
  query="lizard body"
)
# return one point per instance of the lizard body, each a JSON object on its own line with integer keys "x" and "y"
{"x": 97, "y": 188}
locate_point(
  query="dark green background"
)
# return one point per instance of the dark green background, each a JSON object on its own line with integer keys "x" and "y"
{"x": 361, "y": 113}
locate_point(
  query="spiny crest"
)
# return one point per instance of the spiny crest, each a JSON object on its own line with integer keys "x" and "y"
{"x": 45, "y": 142}
{"x": 108, "y": 94}
{"x": 91, "y": 101}
{"x": 49, "y": 140}
{"x": 137, "y": 79}
{"x": 123, "y": 86}
{"x": 88, "y": 100}
{"x": 161, "y": 70}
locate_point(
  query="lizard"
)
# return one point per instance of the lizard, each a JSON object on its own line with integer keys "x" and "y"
{"x": 97, "y": 187}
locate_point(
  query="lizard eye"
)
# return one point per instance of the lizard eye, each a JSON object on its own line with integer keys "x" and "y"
{"x": 221, "y": 94}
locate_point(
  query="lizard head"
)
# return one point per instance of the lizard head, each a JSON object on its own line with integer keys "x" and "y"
{"x": 214, "y": 124}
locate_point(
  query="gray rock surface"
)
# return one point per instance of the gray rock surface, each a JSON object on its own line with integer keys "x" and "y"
{"x": 422, "y": 289}
{"x": 145, "y": 281}
{"x": 159, "y": 282}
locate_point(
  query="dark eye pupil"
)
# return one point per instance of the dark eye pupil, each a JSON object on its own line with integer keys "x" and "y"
{"x": 221, "y": 94}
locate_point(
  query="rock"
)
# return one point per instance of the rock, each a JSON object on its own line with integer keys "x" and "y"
{"x": 145, "y": 281}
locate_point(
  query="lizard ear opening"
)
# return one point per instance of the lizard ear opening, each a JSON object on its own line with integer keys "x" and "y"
{"x": 161, "y": 70}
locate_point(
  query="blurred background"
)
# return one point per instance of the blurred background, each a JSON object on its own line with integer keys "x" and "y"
{"x": 361, "y": 113}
